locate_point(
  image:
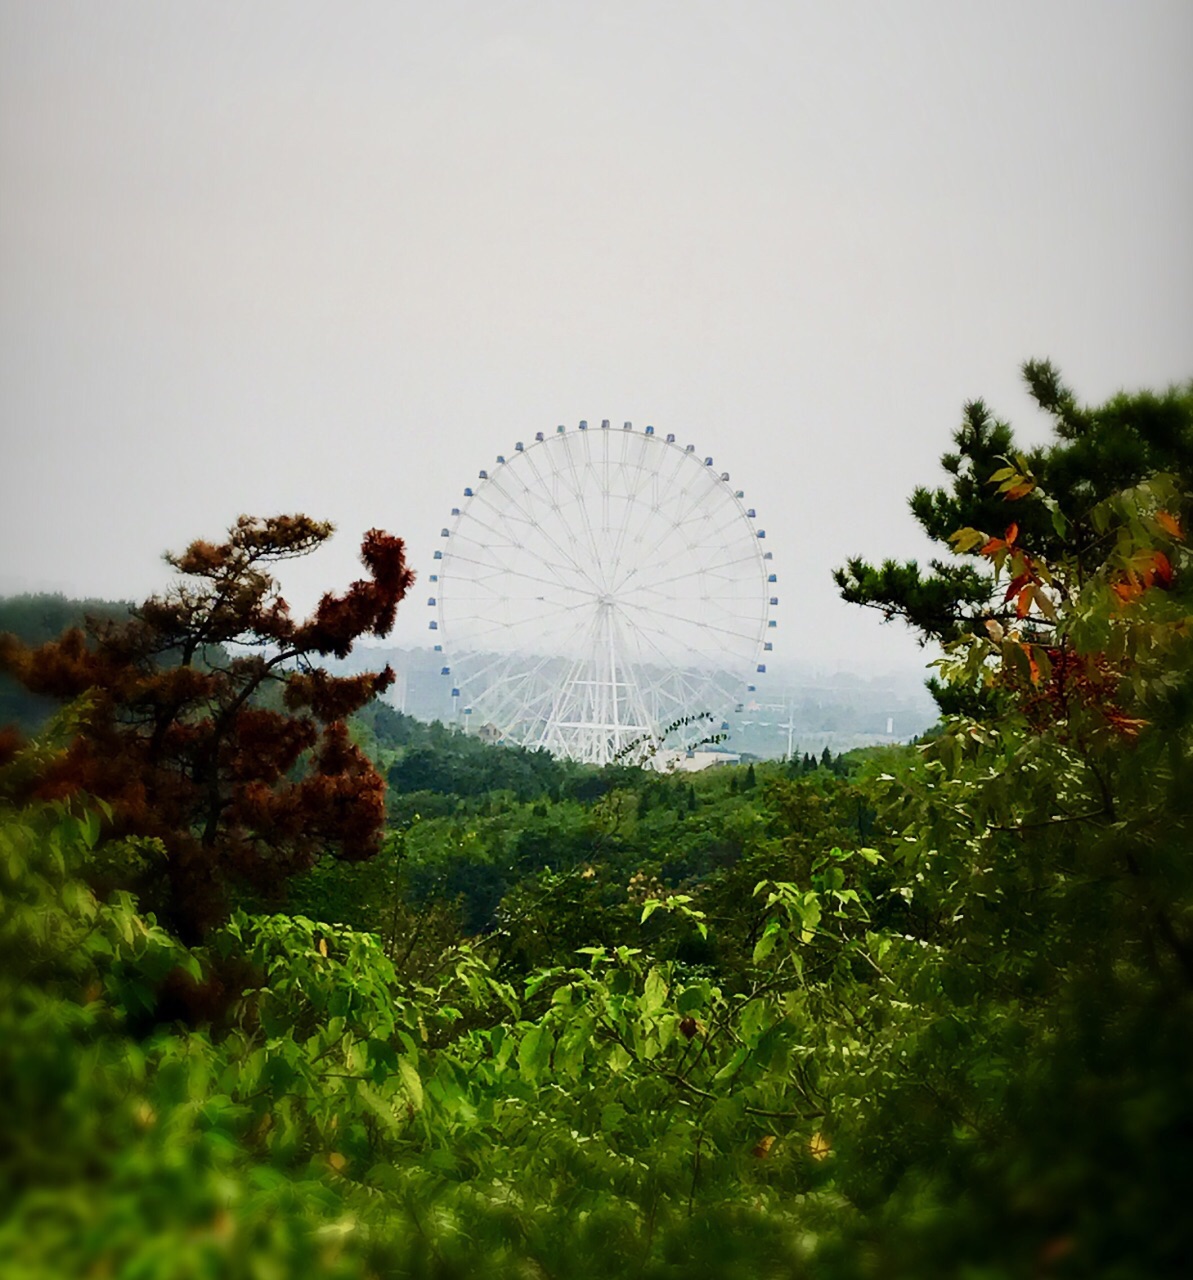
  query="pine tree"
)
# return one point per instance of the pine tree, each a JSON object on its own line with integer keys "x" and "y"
{"x": 202, "y": 721}
{"x": 1096, "y": 452}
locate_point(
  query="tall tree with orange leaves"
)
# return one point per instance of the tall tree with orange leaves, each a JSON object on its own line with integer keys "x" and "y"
{"x": 205, "y": 723}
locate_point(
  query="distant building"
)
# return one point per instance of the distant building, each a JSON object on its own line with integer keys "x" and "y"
{"x": 694, "y": 761}
{"x": 490, "y": 734}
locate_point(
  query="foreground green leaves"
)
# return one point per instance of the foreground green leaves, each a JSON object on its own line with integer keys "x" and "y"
{"x": 919, "y": 1061}
{"x": 336, "y": 1118}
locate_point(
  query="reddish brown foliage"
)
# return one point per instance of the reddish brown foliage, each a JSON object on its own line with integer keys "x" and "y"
{"x": 182, "y": 737}
{"x": 1079, "y": 695}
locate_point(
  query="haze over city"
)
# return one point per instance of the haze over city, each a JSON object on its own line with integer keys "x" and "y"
{"x": 336, "y": 259}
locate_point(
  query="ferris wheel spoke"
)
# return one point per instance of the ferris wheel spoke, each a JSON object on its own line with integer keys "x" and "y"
{"x": 697, "y": 634}
{"x": 695, "y": 572}
{"x": 634, "y": 481}
{"x": 676, "y": 694}
{"x": 551, "y": 486}
{"x": 554, "y": 477}
{"x": 582, "y": 496}
{"x": 521, "y": 572}
{"x": 609, "y": 468}
{"x": 536, "y": 531}
{"x": 534, "y": 626}
{"x": 574, "y": 623}
{"x": 703, "y": 626}
{"x": 653, "y": 512}
{"x": 542, "y": 530}
{"x": 487, "y": 591}
{"x": 573, "y": 694}
{"x": 711, "y": 612}
{"x": 651, "y": 498}
{"x": 722, "y": 518}
{"x": 564, "y": 573}
{"x": 695, "y": 498}
{"x": 647, "y": 638}
{"x": 684, "y": 691}
{"x": 477, "y": 557}
{"x": 704, "y": 525}
{"x": 500, "y": 572}
{"x": 497, "y": 529}
{"x": 531, "y": 689}
{"x": 523, "y": 508}
{"x": 669, "y": 563}
{"x": 501, "y": 516}
{"x": 695, "y": 611}
{"x": 500, "y": 534}
{"x": 633, "y": 487}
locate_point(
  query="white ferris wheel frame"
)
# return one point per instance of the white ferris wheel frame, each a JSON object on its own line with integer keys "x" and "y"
{"x": 598, "y": 590}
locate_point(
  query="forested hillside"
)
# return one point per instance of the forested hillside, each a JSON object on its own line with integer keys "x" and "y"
{"x": 35, "y": 619}
{"x": 291, "y": 984}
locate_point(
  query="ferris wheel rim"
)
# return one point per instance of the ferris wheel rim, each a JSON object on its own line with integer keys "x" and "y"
{"x": 493, "y": 593}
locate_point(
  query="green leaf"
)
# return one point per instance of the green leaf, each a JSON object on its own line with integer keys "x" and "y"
{"x": 618, "y": 1059}
{"x": 612, "y": 1114}
{"x": 739, "y": 1055}
{"x": 383, "y": 1060}
{"x": 534, "y": 1052}
{"x": 809, "y": 914}
{"x": 89, "y": 829}
{"x": 766, "y": 944}
{"x": 654, "y": 992}
{"x": 1060, "y": 526}
{"x": 412, "y": 1082}
{"x": 692, "y": 998}
{"x": 965, "y": 540}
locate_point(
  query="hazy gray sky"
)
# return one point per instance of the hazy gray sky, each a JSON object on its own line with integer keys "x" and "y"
{"x": 336, "y": 257}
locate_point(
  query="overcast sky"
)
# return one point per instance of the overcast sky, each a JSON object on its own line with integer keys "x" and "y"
{"x": 335, "y": 257}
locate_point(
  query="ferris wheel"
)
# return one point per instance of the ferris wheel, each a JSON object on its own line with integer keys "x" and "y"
{"x": 598, "y": 588}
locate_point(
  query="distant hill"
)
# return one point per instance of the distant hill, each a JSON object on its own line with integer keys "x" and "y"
{"x": 36, "y": 618}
